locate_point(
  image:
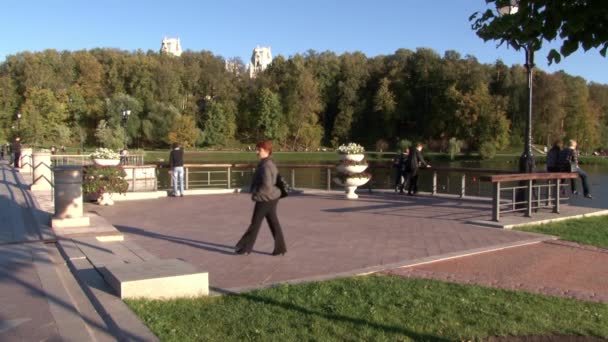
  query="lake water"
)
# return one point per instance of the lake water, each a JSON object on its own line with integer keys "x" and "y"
{"x": 383, "y": 178}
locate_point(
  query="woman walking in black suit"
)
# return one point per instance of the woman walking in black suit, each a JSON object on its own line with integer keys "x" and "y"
{"x": 266, "y": 195}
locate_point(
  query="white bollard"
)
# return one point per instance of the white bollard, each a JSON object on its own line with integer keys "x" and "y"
{"x": 42, "y": 171}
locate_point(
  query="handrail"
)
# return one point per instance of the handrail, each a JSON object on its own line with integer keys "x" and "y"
{"x": 528, "y": 176}
{"x": 530, "y": 194}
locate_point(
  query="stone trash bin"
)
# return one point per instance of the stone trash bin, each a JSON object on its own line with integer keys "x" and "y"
{"x": 42, "y": 171}
{"x": 68, "y": 197}
{"x": 26, "y": 160}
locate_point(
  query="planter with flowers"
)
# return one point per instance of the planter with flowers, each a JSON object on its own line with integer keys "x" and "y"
{"x": 105, "y": 157}
{"x": 99, "y": 183}
{"x": 351, "y": 170}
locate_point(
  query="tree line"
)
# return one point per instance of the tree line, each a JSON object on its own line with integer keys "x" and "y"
{"x": 302, "y": 102}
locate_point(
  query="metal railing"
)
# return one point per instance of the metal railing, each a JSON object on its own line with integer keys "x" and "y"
{"x": 527, "y": 192}
{"x": 228, "y": 176}
{"x": 85, "y": 159}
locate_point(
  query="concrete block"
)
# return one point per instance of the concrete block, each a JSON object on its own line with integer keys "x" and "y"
{"x": 75, "y": 222}
{"x": 157, "y": 279}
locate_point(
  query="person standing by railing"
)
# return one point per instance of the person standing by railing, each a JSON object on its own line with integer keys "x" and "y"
{"x": 176, "y": 163}
{"x": 553, "y": 157}
{"x": 16, "y": 150}
{"x": 266, "y": 195}
{"x": 568, "y": 161}
{"x": 414, "y": 161}
{"x": 2, "y": 151}
{"x": 401, "y": 176}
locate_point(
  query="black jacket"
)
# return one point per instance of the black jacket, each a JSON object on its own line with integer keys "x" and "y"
{"x": 414, "y": 161}
{"x": 16, "y": 147}
{"x": 176, "y": 157}
{"x": 568, "y": 159}
{"x": 553, "y": 159}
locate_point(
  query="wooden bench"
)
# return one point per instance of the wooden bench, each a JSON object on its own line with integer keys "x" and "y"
{"x": 526, "y": 183}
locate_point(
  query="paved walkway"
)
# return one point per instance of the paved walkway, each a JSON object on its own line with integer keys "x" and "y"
{"x": 556, "y": 268}
{"x": 326, "y": 235}
{"x": 40, "y": 297}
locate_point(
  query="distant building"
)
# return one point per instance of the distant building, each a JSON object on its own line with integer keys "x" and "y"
{"x": 260, "y": 59}
{"x": 171, "y": 46}
{"x": 232, "y": 66}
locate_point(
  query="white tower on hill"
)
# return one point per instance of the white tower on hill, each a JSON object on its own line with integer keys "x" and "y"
{"x": 171, "y": 46}
{"x": 260, "y": 59}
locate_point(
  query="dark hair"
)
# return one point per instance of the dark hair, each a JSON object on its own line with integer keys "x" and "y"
{"x": 175, "y": 145}
{"x": 265, "y": 144}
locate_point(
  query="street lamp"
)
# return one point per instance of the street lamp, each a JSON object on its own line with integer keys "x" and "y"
{"x": 125, "y": 117}
{"x": 526, "y": 161}
{"x": 19, "y": 122}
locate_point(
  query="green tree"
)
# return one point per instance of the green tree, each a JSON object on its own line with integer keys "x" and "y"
{"x": 108, "y": 136}
{"x": 269, "y": 114}
{"x": 218, "y": 128}
{"x": 184, "y": 131}
{"x": 41, "y": 114}
{"x": 577, "y": 23}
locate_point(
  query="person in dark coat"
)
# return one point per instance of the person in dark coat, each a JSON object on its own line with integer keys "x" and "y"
{"x": 399, "y": 164}
{"x": 568, "y": 162}
{"x": 176, "y": 163}
{"x": 2, "y": 151}
{"x": 413, "y": 163}
{"x": 16, "y": 150}
{"x": 266, "y": 195}
{"x": 553, "y": 157}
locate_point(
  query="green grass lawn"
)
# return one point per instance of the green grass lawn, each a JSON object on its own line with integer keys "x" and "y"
{"x": 589, "y": 231}
{"x": 370, "y": 308}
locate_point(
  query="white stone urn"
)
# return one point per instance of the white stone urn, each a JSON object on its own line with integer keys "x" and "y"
{"x": 354, "y": 157}
{"x": 351, "y": 169}
{"x": 106, "y": 162}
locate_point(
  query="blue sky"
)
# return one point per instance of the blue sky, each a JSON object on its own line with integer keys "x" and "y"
{"x": 232, "y": 28}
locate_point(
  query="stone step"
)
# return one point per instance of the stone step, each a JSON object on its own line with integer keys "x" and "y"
{"x": 156, "y": 279}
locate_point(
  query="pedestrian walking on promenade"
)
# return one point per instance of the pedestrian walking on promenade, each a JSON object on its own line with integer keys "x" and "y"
{"x": 266, "y": 195}
{"x": 176, "y": 163}
{"x": 16, "y": 150}
{"x": 413, "y": 163}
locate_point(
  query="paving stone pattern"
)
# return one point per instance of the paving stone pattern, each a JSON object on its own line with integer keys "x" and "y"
{"x": 326, "y": 235}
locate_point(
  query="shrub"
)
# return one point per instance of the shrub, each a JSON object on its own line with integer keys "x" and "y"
{"x": 487, "y": 150}
{"x": 101, "y": 179}
{"x": 404, "y": 144}
{"x": 454, "y": 146}
{"x": 381, "y": 145}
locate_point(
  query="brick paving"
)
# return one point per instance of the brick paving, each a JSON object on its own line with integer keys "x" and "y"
{"x": 556, "y": 268}
{"x": 327, "y": 236}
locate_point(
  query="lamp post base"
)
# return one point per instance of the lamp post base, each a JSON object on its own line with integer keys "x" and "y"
{"x": 526, "y": 163}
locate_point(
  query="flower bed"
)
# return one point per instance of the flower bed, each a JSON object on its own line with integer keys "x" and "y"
{"x": 98, "y": 180}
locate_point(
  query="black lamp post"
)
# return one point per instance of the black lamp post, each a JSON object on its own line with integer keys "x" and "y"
{"x": 125, "y": 117}
{"x": 526, "y": 161}
{"x": 19, "y": 122}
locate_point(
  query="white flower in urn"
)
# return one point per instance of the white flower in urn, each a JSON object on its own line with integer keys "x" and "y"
{"x": 105, "y": 153}
{"x": 351, "y": 148}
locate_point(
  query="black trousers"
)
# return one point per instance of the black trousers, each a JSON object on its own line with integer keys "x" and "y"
{"x": 412, "y": 187}
{"x": 16, "y": 161}
{"x": 263, "y": 210}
